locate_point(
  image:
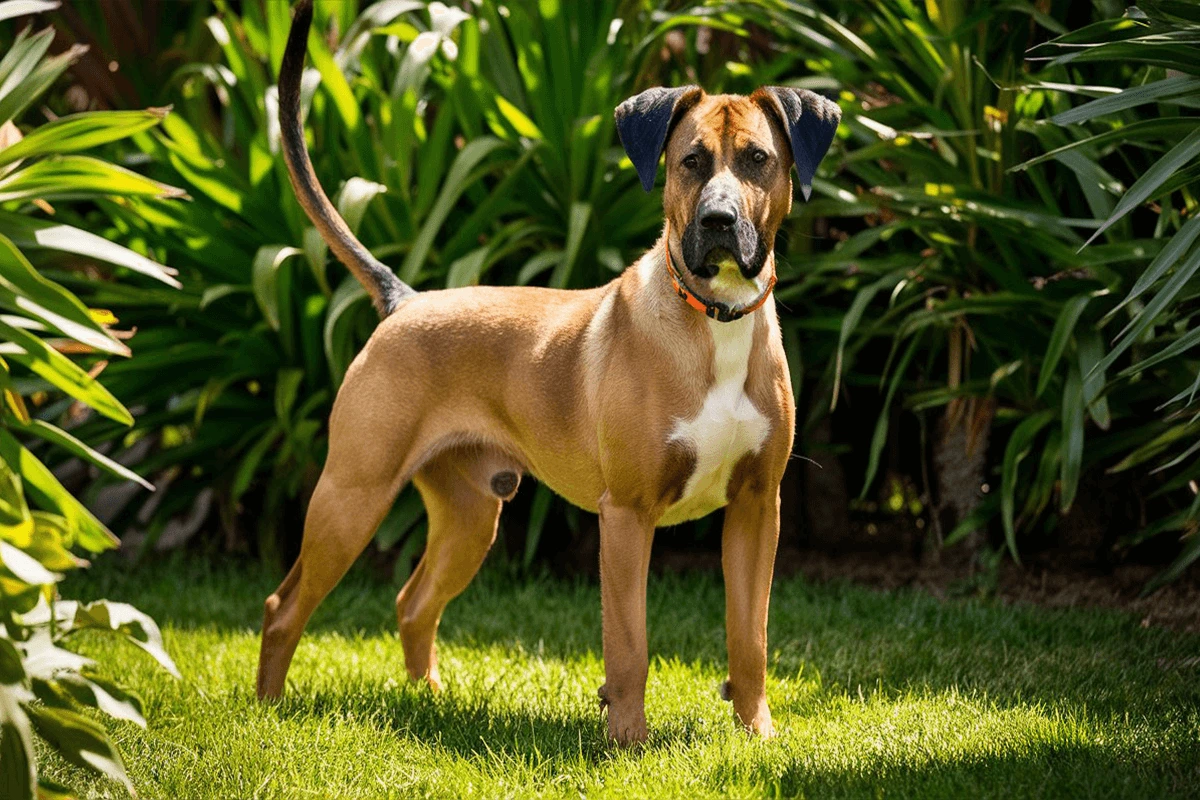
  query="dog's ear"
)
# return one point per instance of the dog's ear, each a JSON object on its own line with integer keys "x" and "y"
{"x": 643, "y": 122}
{"x": 810, "y": 121}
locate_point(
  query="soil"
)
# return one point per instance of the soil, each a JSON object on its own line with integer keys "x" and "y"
{"x": 1175, "y": 606}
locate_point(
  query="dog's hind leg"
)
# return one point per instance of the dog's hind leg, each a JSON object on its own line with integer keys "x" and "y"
{"x": 341, "y": 521}
{"x": 366, "y": 466}
{"x": 463, "y": 493}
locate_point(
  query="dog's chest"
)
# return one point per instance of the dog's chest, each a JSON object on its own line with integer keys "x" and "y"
{"x": 726, "y": 428}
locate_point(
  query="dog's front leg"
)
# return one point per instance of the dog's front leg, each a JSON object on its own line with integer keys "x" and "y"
{"x": 625, "y": 538}
{"x": 748, "y": 543}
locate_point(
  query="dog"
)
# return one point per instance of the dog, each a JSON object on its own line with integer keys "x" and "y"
{"x": 657, "y": 398}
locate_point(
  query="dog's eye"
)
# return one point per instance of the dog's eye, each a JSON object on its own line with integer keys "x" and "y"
{"x": 759, "y": 156}
{"x": 690, "y": 161}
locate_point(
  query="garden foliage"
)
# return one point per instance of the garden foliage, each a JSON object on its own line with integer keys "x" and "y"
{"x": 995, "y": 266}
{"x": 45, "y": 688}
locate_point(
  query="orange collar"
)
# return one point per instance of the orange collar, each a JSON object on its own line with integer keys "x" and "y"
{"x": 710, "y": 308}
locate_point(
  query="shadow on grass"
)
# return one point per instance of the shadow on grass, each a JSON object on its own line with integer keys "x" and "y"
{"x": 846, "y": 641}
{"x": 470, "y": 727}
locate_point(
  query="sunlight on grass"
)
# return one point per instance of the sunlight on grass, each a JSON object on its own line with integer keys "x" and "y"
{"x": 892, "y": 694}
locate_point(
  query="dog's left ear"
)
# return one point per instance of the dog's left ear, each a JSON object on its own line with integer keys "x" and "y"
{"x": 643, "y": 122}
{"x": 810, "y": 121}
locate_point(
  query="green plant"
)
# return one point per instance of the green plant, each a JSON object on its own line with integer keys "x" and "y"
{"x": 971, "y": 266}
{"x": 44, "y": 687}
{"x": 466, "y": 148}
{"x": 1148, "y": 131}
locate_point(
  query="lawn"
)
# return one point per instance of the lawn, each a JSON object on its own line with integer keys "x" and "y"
{"x": 875, "y": 695}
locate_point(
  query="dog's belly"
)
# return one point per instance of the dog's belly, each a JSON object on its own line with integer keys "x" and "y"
{"x": 727, "y": 427}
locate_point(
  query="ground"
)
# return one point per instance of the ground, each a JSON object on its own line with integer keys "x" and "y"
{"x": 875, "y": 693}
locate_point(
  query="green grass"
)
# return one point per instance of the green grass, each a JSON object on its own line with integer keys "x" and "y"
{"x": 875, "y": 695}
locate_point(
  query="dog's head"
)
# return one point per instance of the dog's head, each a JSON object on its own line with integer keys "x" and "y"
{"x": 728, "y": 173}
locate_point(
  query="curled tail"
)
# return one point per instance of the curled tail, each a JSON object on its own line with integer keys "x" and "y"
{"x": 385, "y": 288}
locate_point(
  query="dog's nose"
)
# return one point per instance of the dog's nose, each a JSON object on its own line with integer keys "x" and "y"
{"x": 717, "y": 218}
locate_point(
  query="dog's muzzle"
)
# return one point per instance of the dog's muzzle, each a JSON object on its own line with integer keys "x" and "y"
{"x": 718, "y": 231}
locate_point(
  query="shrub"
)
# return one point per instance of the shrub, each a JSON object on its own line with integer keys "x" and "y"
{"x": 971, "y": 269}
{"x": 489, "y": 147}
{"x": 1126, "y": 131}
{"x": 43, "y": 685}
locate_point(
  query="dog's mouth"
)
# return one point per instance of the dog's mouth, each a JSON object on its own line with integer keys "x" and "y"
{"x": 726, "y": 266}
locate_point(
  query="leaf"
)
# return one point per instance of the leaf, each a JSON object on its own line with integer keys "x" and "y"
{"x": 80, "y": 741}
{"x": 267, "y": 261}
{"x": 1144, "y": 452}
{"x": 244, "y": 476}
{"x": 457, "y": 180}
{"x": 577, "y": 224}
{"x": 1146, "y": 316}
{"x": 879, "y": 439}
{"x": 353, "y": 199}
{"x": 27, "y": 233}
{"x": 1166, "y": 258}
{"x": 349, "y": 294}
{"x": 1072, "y": 436}
{"x": 41, "y": 485}
{"x": 18, "y": 773}
{"x": 1019, "y": 444}
{"x": 537, "y": 521}
{"x": 406, "y": 512}
{"x": 26, "y": 291}
{"x": 976, "y": 519}
{"x": 1064, "y": 326}
{"x": 214, "y": 293}
{"x": 1128, "y": 98}
{"x": 1145, "y": 186}
{"x": 466, "y": 271}
{"x": 82, "y": 132}
{"x": 850, "y": 321}
{"x": 37, "y": 80}
{"x": 1091, "y": 350}
{"x": 79, "y": 177}
{"x": 287, "y": 383}
{"x": 25, "y": 567}
{"x": 1180, "y": 345}
{"x": 333, "y": 81}
{"x": 11, "y": 670}
{"x": 75, "y": 447}
{"x": 21, "y": 8}
{"x": 123, "y": 618}
{"x": 1187, "y": 557}
{"x": 63, "y": 373}
{"x": 106, "y": 696}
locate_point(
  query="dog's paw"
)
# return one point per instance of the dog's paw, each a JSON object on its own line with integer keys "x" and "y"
{"x": 603, "y": 696}
{"x": 630, "y": 734}
{"x": 726, "y": 691}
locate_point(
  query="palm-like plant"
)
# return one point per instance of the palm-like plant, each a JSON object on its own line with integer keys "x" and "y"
{"x": 956, "y": 249}
{"x": 972, "y": 261}
{"x": 461, "y": 148}
{"x": 1149, "y": 131}
{"x": 43, "y": 685}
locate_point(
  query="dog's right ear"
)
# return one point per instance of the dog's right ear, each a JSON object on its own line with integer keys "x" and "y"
{"x": 643, "y": 122}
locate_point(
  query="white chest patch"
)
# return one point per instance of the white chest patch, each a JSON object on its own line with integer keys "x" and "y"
{"x": 727, "y": 427}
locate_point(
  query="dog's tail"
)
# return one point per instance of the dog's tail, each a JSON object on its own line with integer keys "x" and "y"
{"x": 386, "y": 290}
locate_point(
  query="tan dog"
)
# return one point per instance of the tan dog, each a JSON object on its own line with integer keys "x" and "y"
{"x": 626, "y": 399}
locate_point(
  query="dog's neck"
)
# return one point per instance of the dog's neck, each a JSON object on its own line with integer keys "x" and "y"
{"x": 664, "y": 303}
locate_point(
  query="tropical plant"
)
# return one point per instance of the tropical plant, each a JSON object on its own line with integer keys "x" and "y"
{"x": 971, "y": 263}
{"x": 461, "y": 148}
{"x": 1150, "y": 132}
{"x": 44, "y": 687}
